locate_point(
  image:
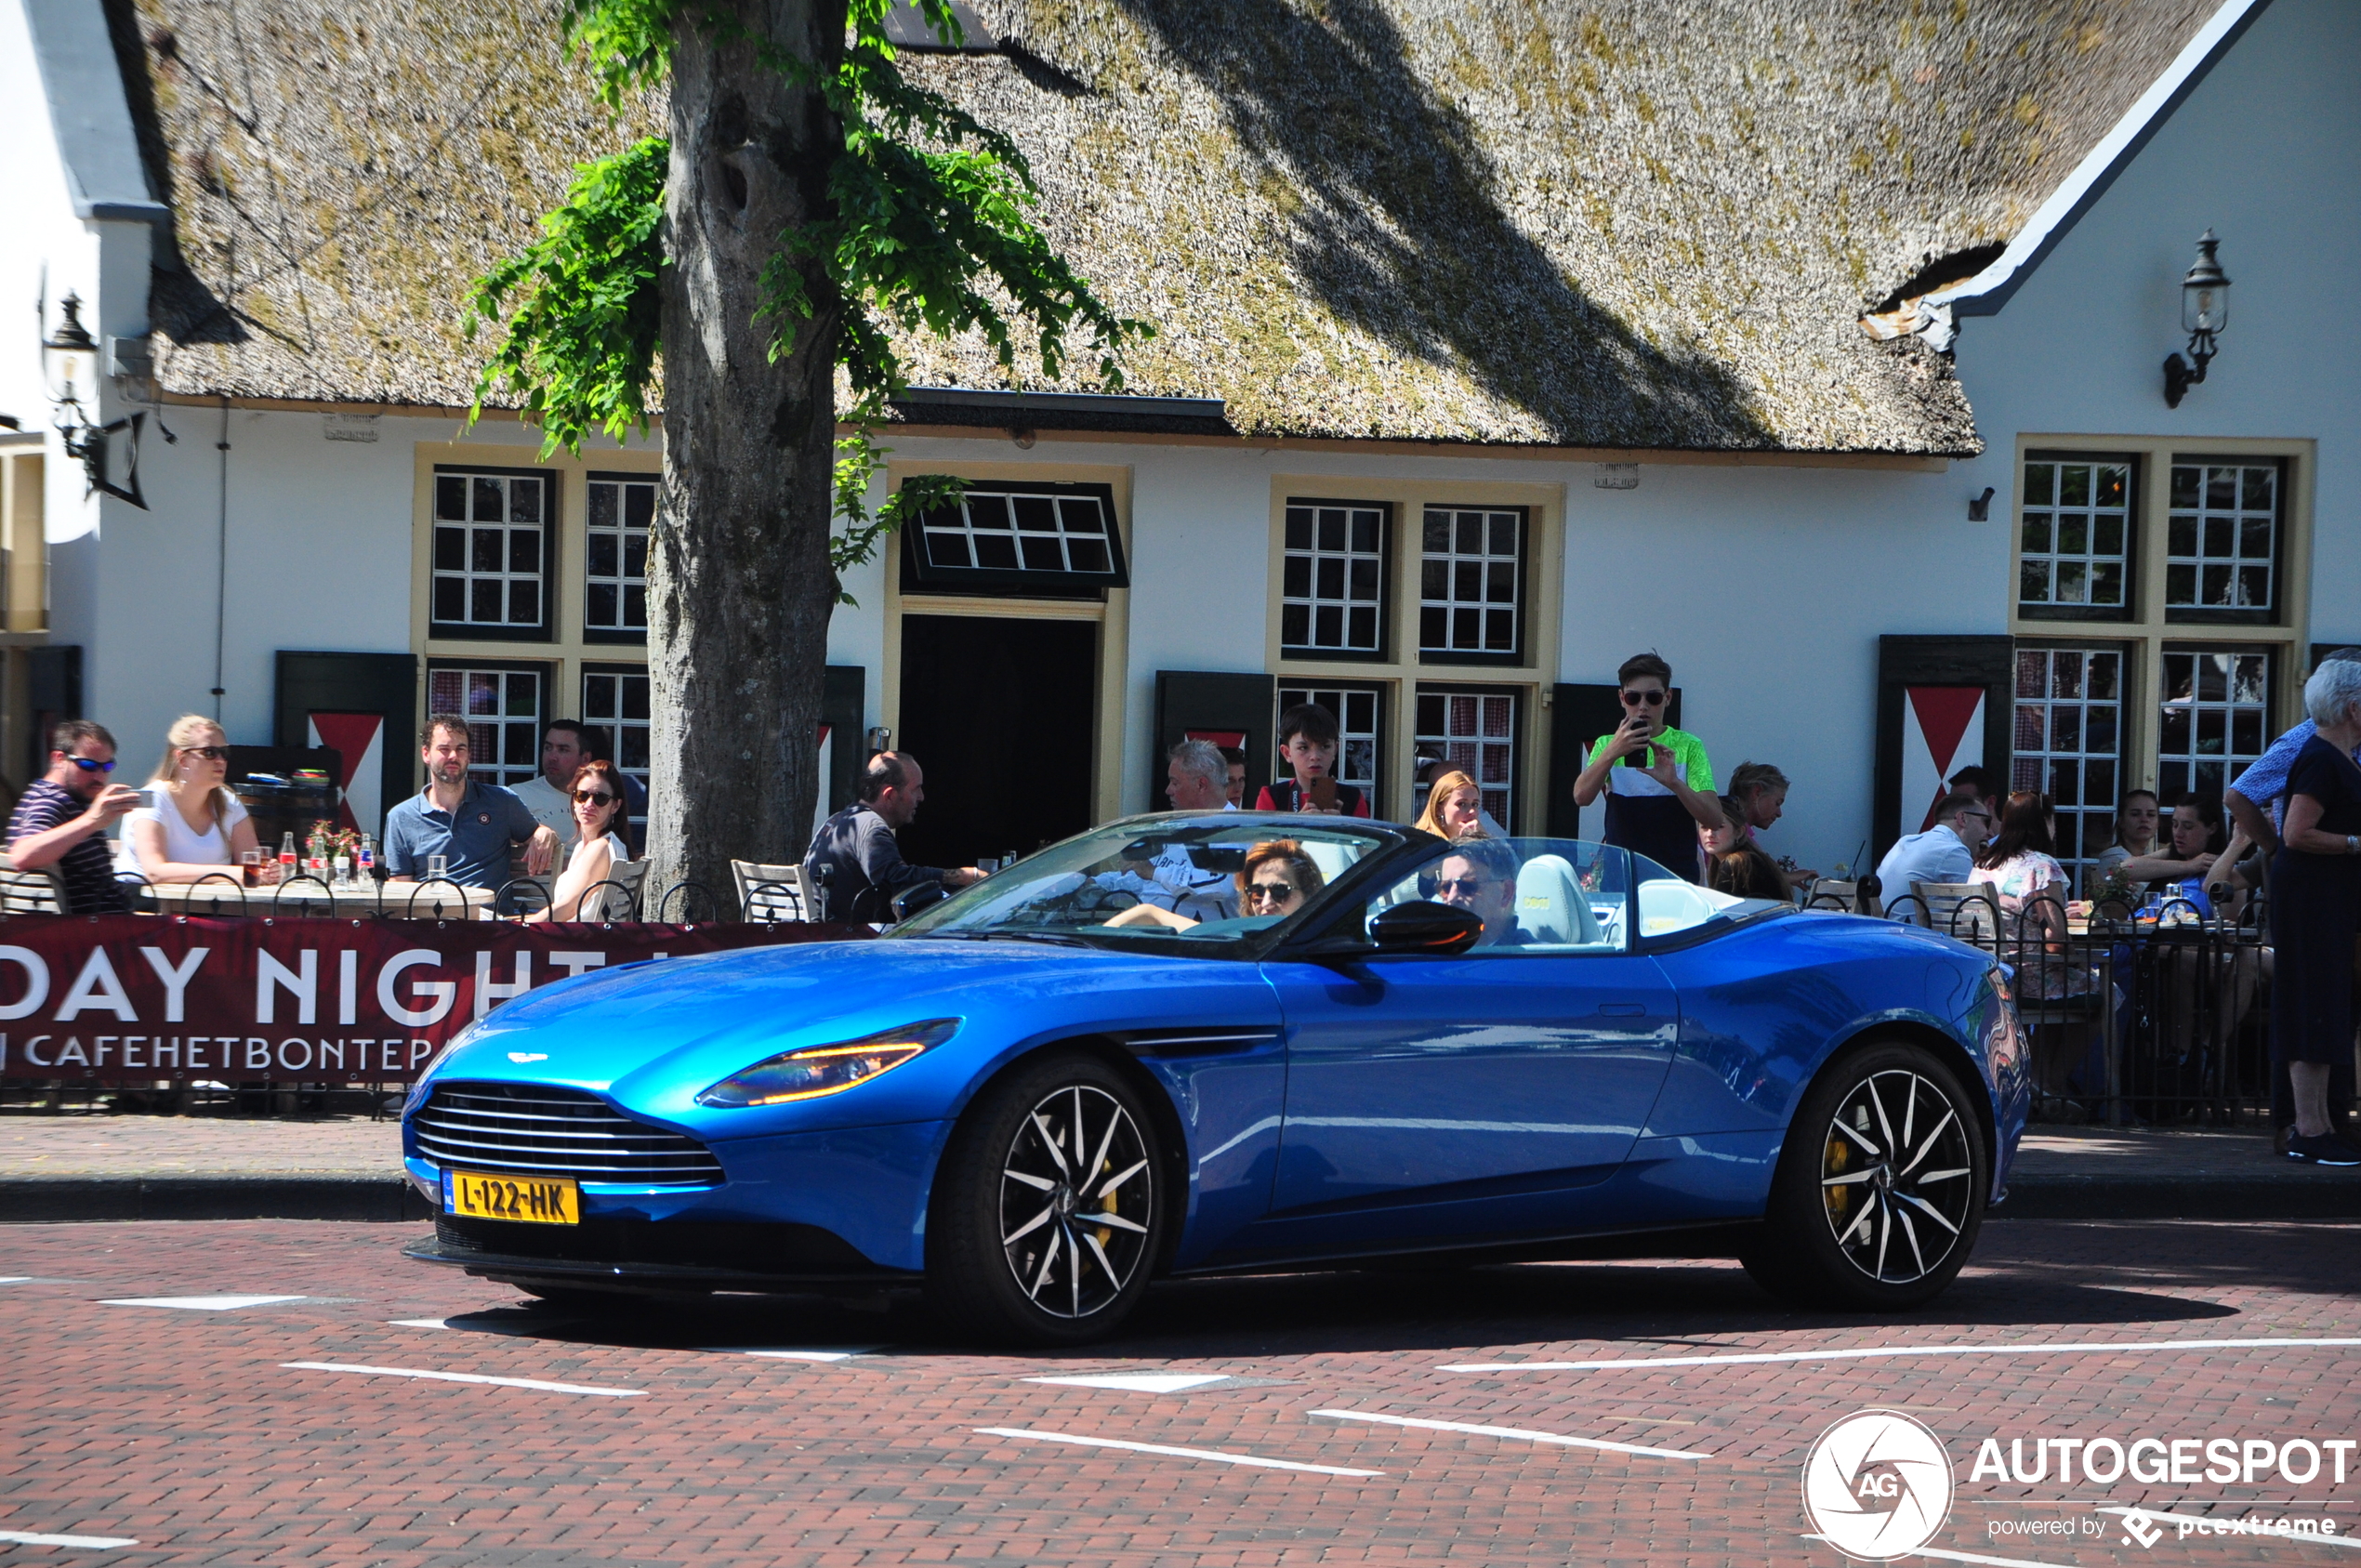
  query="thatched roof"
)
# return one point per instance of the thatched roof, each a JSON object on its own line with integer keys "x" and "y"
{"x": 1620, "y": 224}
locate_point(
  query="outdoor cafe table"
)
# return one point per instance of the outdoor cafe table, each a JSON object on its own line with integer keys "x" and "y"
{"x": 398, "y": 900}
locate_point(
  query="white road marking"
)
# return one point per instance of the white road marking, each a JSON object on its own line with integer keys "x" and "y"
{"x": 90, "y": 1543}
{"x": 1141, "y": 1382}
{"x": 1762, "y": 1358}
{"x": 200, "y": 1303}
{"x": 823, "y": 1353}
{"x": 1522, "y": 1434}
{"x": 462, "y": 1378}
{"x": 2351, "y": 1543}
{"x": 14, "y": 1279}
{"x": 1962, "y": 1556}
{"x": 1214, "y": 1455}
{"x": 420, "y": 1323}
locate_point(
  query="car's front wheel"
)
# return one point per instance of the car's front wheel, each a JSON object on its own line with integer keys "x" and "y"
{"x": 1879, "y": 1191}
{"x": 1047, "y": 1215}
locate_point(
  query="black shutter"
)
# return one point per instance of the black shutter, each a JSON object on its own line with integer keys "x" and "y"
{"x": 1188, "y": 700}
{"x": 386, "y": 684}
{"x": 843, "y": 701}
{"x": 1986, "y": 663}
{"x": 1578, "y": 716}
{"x": 53, "y": 696}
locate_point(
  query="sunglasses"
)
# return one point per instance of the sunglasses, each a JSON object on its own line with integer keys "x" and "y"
{"x": 1465, "y": 886}
{"x": 1633, "y": 698}
{"x": 583, "y": 796}
{"x": 90, "y": 767}
{"x": 1270, "y": 892}
{"x": 210, "y": 753}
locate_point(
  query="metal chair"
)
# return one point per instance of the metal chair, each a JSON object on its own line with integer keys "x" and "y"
{"x": 1829, "y": 893}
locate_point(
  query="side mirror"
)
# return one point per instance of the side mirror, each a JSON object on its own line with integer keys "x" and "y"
{"x": 1425, "y": 927}
{"x": 925, "y": 895}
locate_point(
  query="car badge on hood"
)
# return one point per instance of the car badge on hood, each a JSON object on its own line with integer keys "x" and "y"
{"x": 528, "y": 1056}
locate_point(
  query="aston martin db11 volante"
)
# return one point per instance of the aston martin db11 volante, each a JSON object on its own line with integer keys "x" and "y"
{"x": 1194, "y": 1043}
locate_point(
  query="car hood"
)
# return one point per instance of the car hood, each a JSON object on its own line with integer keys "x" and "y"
{"x": 653, "y": 1035}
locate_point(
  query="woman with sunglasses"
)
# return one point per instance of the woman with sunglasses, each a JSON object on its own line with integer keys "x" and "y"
{"x": 1279, "y": 878}
{"x": 196, "y": 828}
{"x": 598, "y": 850}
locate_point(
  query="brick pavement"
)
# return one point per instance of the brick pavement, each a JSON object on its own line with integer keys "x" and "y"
{"x": 183, "y": 1431}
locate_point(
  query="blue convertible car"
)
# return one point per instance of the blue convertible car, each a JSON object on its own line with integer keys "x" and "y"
{"x": 1352, "y": 1042}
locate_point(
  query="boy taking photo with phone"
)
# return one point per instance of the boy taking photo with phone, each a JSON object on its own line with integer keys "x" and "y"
{"x": 1657, "y": 780}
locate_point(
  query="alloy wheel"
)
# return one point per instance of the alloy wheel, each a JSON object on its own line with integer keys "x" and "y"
{"x": 1077, "y": 1200}
{"x": 1896, "y": 1176}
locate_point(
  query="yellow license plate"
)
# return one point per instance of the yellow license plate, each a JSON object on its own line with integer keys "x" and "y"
{"x": 537, "y": 1200}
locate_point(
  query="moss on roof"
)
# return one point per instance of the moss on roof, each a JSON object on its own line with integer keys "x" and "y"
{"x": 1621, "y": 224}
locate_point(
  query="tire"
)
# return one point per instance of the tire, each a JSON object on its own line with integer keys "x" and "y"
{"x": 1022, "y": 1246}
{"x": 1839, "y": 1230}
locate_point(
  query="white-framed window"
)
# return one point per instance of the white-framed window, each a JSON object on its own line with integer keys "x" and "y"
{"x": 1470, "y": 584}
{"x": 2075, "y": 535}
{"x": 622, "y": 507}
{"x": 1474, "y": 729}
{"x": 1332, "y": 592}
{"x": 2069, "y": 741}
{"x": 495, "y": 534}
{"x": 1023, "y": 540}
{"x": 2222, "y": 560}
{"x": 1360, "y": 715}
{"x": 503, "y": 706}
{"x": 615, "y": 697}
{"x": 2213, "y": 716}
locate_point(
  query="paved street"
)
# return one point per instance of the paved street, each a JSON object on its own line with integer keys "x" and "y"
{"x": 664, "y": 1440}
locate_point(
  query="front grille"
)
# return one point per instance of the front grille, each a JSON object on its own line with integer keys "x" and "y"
{"x": 539, "y": 1130}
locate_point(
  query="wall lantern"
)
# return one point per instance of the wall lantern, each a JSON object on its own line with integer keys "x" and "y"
{"x": 69, "y": 363}
{"x": 2205, "y": 310}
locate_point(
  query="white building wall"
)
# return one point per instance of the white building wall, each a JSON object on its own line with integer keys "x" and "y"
{"x": 2267, "y": 153}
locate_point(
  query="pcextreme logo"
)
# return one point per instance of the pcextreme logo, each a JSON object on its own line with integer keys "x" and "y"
{"x": 1877, "y": 1485}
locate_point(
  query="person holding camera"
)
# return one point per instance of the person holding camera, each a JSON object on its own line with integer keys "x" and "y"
{"x": 62, "y": 818}
{"x": 1657, "y": 780}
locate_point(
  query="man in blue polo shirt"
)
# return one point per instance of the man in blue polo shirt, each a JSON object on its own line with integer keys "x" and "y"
{"x": 471, "y": 825}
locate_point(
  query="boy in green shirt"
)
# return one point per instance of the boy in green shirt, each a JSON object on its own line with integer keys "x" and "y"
{"x": 1657, "y": 780}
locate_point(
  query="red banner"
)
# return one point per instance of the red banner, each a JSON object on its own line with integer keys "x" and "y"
{"x": 138, "y": 999}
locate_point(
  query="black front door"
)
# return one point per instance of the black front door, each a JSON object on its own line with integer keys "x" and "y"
{"x": 997, "y": 712}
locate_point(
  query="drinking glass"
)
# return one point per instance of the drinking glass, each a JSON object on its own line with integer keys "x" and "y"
{"x": 250, "y": 866}
{"x": 437, "y": 865}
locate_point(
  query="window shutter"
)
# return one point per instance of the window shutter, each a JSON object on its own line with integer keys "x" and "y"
{"x": 843, "y": 703}
{"x": 1199, "y": 702}
{"x": 1944, "y": 703}
{"x": 1578, "y": 716}
{"x": 357, "y": 686}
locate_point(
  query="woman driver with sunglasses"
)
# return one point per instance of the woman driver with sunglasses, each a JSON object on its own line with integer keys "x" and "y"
{"x": 1659, "y": 780}
{"x": 196, "y": 827}
{"x": 597, "y": 804}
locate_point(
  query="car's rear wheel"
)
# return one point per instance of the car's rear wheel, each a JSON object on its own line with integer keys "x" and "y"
{"x": 1047, "y": 1215}
{"x": 1879, "y": 1191}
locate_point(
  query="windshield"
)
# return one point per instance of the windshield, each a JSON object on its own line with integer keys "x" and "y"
{"x": 1209, "y": 883}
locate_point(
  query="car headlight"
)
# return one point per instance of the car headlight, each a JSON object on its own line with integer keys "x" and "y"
{"x": 822, "y": 1069}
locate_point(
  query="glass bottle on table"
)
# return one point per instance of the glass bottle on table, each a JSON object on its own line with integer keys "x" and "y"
{"x": 286, "y": 855}
{"x": 368, "y": 858}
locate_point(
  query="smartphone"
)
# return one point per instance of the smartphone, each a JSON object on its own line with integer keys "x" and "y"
{"x": 147, "y": 799}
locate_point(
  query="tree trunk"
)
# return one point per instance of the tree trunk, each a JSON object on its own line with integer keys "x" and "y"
{"x": 739, "y": 589}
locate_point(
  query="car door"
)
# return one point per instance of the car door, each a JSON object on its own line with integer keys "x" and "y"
{"x": 1456, "y": 1098}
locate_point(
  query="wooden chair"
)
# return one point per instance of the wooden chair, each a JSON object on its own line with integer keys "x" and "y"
{"x": 1829, "y": 893}
{"x": 1970, "y": 911}
{"x": 770, "y": 893}
{"x": 32, "y": 892}
{"x": 624, "y": 891}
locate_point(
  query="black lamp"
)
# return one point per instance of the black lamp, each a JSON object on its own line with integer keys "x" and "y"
{"x": 2205, "y": 310}
{"x": 67, "y": 358}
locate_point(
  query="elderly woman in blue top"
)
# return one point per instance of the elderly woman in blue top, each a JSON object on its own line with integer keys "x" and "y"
{"x": 472, "y": 825}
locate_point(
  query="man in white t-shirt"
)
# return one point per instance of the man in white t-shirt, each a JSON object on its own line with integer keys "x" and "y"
{"x": 549, "y": 796}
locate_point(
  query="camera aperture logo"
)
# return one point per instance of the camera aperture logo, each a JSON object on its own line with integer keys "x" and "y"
{"x": 1877, "y": 1485}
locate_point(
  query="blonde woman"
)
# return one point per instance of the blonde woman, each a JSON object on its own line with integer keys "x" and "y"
{"x": 1454, "y": 810}
{"x": 196, "y": 828}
